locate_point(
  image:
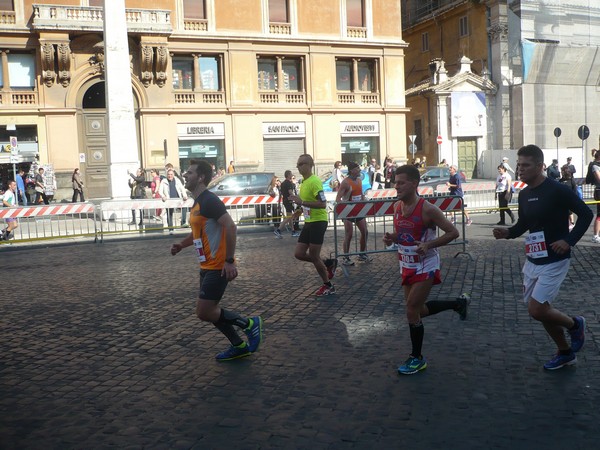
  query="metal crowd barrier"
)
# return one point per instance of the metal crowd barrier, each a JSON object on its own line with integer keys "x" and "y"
{"x": 380, "y": 219}
{"x": 61, "y": 220}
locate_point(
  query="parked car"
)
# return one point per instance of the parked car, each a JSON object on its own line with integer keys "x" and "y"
{"x": 435, "y": 175}
{"x": 244, "y": 183}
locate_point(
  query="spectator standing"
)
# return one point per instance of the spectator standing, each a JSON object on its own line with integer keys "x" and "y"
{"x": 214, "y": 237}
{"x": 40, "y": 188}
{"x": 388, "y": 172}
{"x": 184, "y": 210}
{"x": 571, "y": 166}
{"x": 169, "y": 188}
{"x": 507, "y": 166}
{"x": 568, "y": 180}
{"x": 21, "y": 193}
{"x": 337, "y": 176}
{"x": 9, "y": 200}
{"x": 155, "y": 189}
{"x": 137, "y": 184}
{"x": 288, "y": 188}
{"x": 504, "y": 194}
{"x": 443, "y": 163}
{"x": 594, "y": 178}
{"x": 77, "y": 184}
{"x": 313, "y": 202}
{"x": 371, "y": 170}
{"x": 231, "y": 167}
{"x": 274, "y": 191}
{"x": 553, "y": 172}
{"x": 544, "y": 207}
{"x": 455, "y": 187}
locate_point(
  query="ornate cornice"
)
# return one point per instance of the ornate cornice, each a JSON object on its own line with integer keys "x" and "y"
{"x": 498, "y": 32}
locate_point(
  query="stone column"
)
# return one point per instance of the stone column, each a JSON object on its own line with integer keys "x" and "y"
{"x": 122, "y": 140}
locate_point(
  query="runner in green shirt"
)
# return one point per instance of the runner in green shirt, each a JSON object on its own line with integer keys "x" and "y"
{"x": 313, "y": 202}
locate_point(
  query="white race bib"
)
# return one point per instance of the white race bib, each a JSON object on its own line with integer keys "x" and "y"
{"x": 535, "y": 245}
{"x": 199, "y": 250}
{"x": 356, "y": 198}
{"x": 306, "y": 211}
{"x": 408, "y": 257}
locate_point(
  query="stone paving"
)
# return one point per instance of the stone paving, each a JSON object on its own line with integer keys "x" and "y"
{"x": 101, "y": 349}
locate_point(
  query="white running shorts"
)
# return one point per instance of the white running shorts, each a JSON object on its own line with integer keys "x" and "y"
{"x": 542, "y": 282}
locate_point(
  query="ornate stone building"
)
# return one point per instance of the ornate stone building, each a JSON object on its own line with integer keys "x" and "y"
{"x": 255, "y": 81}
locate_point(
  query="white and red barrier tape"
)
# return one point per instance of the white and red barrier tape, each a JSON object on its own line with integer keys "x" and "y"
{"x": 386, "y": 208}
{"x": 49, "y": 210}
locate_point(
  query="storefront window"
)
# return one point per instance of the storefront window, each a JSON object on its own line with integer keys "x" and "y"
{"x": 360, "y": 149}
{"x": 212, "y": 151}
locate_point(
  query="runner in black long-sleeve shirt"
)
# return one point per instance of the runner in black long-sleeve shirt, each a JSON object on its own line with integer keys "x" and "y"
{"x": 544, "y": 207}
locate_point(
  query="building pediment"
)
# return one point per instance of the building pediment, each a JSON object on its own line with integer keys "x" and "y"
{"x": 461, "y": 82}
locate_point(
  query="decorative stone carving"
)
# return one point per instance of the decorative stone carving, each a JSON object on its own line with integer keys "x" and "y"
{"x": 97, "y": 61}
{"x": 498, "y": 31}
{"x": 48, "y": 74}
{"x": 63, "y": 52}
{"x": 146, "y": 60}
{"x": 162, "y": 53}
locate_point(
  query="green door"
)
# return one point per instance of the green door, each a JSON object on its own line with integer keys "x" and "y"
{"x": 467, "y": 156}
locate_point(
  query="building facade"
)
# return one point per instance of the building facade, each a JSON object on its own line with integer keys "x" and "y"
{"x": 541, "y": 56}
{"x": 257, "y": 82}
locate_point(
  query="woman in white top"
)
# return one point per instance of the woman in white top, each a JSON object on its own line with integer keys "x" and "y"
{"x": 504, "y": 193}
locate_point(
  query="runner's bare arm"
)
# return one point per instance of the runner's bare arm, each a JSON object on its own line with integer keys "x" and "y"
{"x": 229, "y": 270}
{"x": 433, "y": 215}
{"x": 186, "y": 242}
{"x": 343, "y": 190}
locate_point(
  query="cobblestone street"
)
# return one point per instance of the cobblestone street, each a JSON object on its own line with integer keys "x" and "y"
{"x": 101, "y": 349}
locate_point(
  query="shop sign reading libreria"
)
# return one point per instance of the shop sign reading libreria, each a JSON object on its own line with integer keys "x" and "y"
{"x": 201, "y": 130}
{"x": 359, "y": 128}
{"x": 283, "y": 129}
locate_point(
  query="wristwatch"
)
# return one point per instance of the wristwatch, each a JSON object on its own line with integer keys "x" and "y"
{"x": 229, "y": 260}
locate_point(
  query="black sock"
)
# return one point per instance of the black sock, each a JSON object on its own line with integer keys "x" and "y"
{"x": 417, "y": 331}
{"x": 328, "y": 284}
{"x": 436, "y": 306}
{"x": 229, "y": 333}
{"x": 565, "y": 352}
{"x": 233, "y": 318}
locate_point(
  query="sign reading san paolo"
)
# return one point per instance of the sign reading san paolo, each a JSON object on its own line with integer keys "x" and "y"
{"x": 201, "y": 130}
{"x": 359, "y": 128}
{"x": 283, "y": 129}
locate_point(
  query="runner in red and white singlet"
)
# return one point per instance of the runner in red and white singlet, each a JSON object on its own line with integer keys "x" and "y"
{"x": 415, "y": 223}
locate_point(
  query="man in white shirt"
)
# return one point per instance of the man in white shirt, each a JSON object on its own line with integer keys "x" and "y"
{"x": 9, "y": 200}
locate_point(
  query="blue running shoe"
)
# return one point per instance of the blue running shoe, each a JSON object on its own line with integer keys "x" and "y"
{"x": 578, "y": 335}
{"x": 560, "y": 361}
{"x": 412, "y": 365}
{"x": 254, "y": 333}
{"x": 234, "y": 353}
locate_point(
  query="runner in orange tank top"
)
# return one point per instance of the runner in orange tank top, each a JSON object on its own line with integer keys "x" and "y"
{"x": 351, "y": 190}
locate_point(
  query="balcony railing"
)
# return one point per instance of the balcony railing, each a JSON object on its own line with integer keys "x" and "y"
{"x": 205, "y": 98}
{"x": 7, "y": 18}
{"x": 356, "y": 32}
{"x": 280, "y": 28}
{"x": 359, "y": 98}
{"x": 91, "y": 18}
{"x": 287, "y": 98}
{"x": 8, "y": 98}
{"x": 195, "y": 24}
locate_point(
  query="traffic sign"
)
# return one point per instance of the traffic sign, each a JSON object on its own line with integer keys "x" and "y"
{"x": 439, "y": 140}
{"x": 583, "y": 132}
{"x": 412, "y": 148}
{"x": 412, "y": 138}
{"x": 13, "y": 144}
{"x": 557, "y": 132}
